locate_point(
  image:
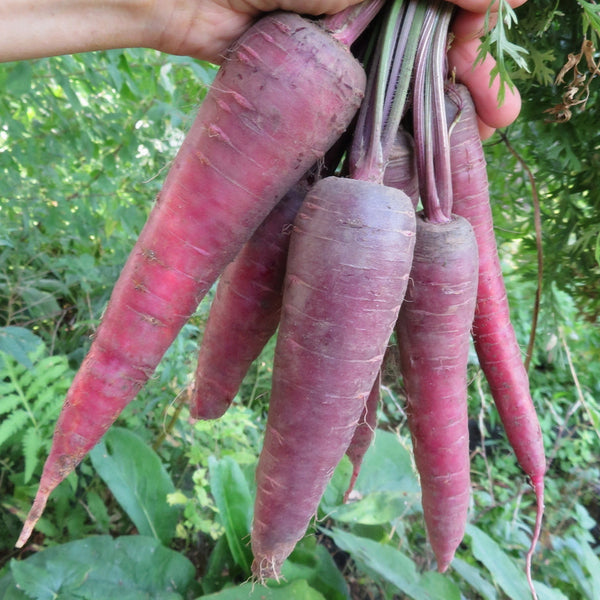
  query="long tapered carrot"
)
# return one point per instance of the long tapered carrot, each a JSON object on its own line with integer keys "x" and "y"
{"x": 363, "y": 434}
{"x": 400, "y": 173}
{"x": 347, "y": 270}
{"x": 433, "y": 333}
{"x": 245, "y": 312}
{"x": 494, "y": 337}
{"x": 284, "y": 94}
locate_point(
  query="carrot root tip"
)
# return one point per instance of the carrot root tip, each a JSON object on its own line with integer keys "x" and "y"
{"x": 35, "y": 512}
{"x": 538, "y": 487}
{"x": 443, "y": 565}
{"x": 265, "y": 569}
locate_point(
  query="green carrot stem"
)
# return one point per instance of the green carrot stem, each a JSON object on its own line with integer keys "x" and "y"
{"x": 401, "y": 72}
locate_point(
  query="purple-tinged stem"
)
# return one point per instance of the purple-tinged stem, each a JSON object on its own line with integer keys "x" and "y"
{"x": 429, "y": 122}
{"x": 366, "y": 158}
{"x": 347, "y": 25}
{"x": 390, "y": 74}
{"x": 441, "y": 144}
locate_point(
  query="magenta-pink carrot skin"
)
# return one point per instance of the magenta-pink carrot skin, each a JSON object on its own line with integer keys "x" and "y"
{"x": 348, "y": 264}
{"x": 245, "y": 311}
{"x": 363, "y": 434}
{"x": 494, "y": 337}
{"x": 433, "y": 333}
{"x": 401, "y": 168}
{"x": 493, "y": 334}
{"x": 285, "y": 93}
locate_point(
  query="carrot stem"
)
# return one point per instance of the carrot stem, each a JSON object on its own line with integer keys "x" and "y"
{"x": 347, "y": 25}
{"x": 429, "y": 117}
{"x": 387, "y": 89}
{"x": 441, "y": 145}
{"x": 401, "y": 72}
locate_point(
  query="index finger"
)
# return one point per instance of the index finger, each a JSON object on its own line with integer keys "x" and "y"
{"x": 461, "y": 60}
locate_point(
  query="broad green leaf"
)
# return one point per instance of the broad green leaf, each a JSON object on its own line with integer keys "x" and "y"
{"x": 234, "y": 501}
{"x": 502, "y": 567}
{"x": 312, "y": 562}
{"x": 44, "y": 584}
{"x": 584, "y": 565}
{"x": 475, "y": 579}
{"x": 100, "y": 567}
{"x": 546, "y": 593}
{"x": 438, "y": 586}
{"x": 337, "y": 486}
{"x": 396, "y": 568}
{"x": 138, "y": 480}
{"x": 296, "y": 590}
{"x": 9, "y": 591}
{"x": 387, "y": 466}
{"x": 18, "y": 342}
{"x": 377, "y": 508}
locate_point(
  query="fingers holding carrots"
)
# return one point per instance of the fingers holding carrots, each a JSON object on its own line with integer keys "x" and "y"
{"x": 468, "y": 26}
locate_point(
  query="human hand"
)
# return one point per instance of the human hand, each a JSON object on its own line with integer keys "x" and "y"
{"x": 202, "y": 29}
{"x": 210, "y": 26}
{"x": 468, "y": 26}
